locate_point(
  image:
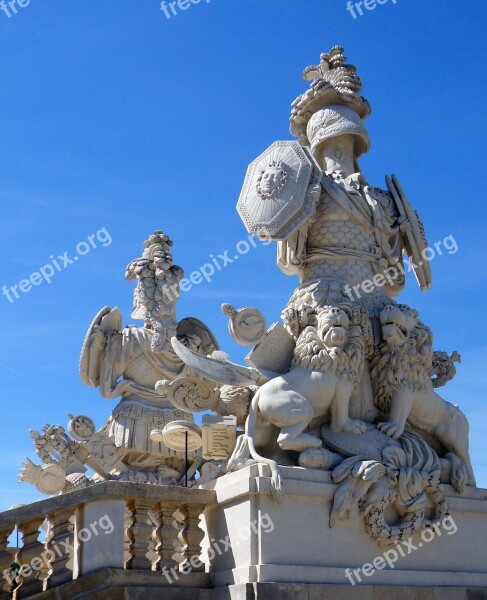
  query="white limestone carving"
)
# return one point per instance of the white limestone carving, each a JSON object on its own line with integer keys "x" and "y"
{"x": 356, "y": 233}
{"x": 415, "y": 242}
{"x": 346, "y": 383}
{"x": 401, "y": 373}
{"x": 444, "y": 369}
{"x": 81, "y": 428}
{"x": 49, "y": 479}
{"x": 131, "y": 362}
{"x": 326, "y": 368}
{"x": 319, "y": 458}
{"x": 179, "y": 435}
{"x": 220, "y": 371}
{"x": 219, "y": 437}
{"x": 67, "y": 460}
{"x": 274, "y": 352}
{"x": 105, "y": 456}
{"x": 235, "y": 402}
{"x": 334, "y": 121}
{"x": 190, "y": 394}
{"x": 247, "y": 326}
{"x": 280, "y": 191}
{"x": 383, "y": 472}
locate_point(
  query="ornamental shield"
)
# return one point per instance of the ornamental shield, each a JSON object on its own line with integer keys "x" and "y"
{"x": 280, "y": 191}
{"x": 107, "y": 319}
{"x": 415, "y": 242}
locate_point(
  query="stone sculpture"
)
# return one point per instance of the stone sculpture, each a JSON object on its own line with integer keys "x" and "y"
{"x": 67, "y": 460}
{"x": 129, "y": 363}
{"x": 404, "y": 474}
{"x": 346, "y": 383}
{"x": 375, "y": 421}
{"x": 403, "y": 389}
{"x": 327, "y": 364}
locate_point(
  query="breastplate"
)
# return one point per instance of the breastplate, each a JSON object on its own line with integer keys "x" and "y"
{"x": 334, "y": 228}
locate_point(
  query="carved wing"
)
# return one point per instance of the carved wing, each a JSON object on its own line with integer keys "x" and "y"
{"x": 219, "y": 370}
{"x": 107, "y": 319}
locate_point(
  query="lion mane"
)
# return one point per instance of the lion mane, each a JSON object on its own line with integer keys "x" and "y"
{"x": 313, "y": 355}
{"x": 407, "y": 367}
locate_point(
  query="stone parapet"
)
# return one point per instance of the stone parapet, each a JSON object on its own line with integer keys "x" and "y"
{"x": 113, "y": 525}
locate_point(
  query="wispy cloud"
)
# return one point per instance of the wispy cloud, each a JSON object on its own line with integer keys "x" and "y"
{"x": 4, "y": 366}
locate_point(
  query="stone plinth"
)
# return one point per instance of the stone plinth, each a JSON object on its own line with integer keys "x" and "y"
{"x": 113, "y": 584}
{"x": 300, "y": 547}
{"x": 290, "y": 591}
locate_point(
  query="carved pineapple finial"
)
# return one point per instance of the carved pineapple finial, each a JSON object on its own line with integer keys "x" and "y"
{"x": 328, "y": 61}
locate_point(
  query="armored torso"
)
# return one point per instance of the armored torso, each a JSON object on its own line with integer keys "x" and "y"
{"x": 339, "y": 246}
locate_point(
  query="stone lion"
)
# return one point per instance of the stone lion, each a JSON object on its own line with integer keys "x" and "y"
{"x": 327, "y": 365}
{"x": 403, "y": 390}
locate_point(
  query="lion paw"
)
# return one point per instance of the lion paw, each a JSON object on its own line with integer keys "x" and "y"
{"x": 298, "y": 443}
{"x": 458, "y": 473}
{"x": 354, "y": 426}
{"x": 391, "y": 429}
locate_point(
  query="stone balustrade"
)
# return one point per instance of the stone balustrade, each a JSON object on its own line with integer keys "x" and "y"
{"x": 114, "y": 525}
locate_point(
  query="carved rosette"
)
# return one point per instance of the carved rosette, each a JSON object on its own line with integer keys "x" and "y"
{"x": 190, "y": 394}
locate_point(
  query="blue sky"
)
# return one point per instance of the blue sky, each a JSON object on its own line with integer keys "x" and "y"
{"x": 113, "y": 116}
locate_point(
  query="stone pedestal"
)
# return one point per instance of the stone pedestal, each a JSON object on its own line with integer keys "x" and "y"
{"x": 305, "y": 591}
{"x": 293, "y": 543}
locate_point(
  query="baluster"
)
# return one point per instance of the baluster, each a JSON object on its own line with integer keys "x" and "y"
{"x": 195, "y": 535}
{"x": 167, "y": 535}
{"x": 154, "y": 541}
{"x": 181, "y": 542}
{"x": 141, "y": 533}
{"x": 189, "y": 537}
{"x": 128, "y": 538}
{"x": 6, "y": 559}
{"x": 45, "y": 568}
{"x": 30, "y": 557}
{"x": 60, "y": 546}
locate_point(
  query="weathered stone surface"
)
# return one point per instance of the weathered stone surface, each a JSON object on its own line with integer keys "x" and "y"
{"x": 321, "y": 554}
{"x": 106, "y": 490}
{"x": 108, "y": 585}
{"x": 127, "y": 585}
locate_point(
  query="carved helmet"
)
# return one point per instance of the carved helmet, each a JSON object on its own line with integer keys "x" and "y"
{"x": 334, "y": 85}
{"x": 335, "y": 120}
{"x": 190, "y": 326}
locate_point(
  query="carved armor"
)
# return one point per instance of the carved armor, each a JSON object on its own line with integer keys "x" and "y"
{"x": 353, "y": 236}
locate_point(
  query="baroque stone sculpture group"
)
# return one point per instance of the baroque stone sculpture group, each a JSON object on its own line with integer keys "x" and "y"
{"x": 344, "y": 385}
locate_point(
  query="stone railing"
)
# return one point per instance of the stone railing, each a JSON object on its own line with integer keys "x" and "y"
{"x": 109, "y": 525}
